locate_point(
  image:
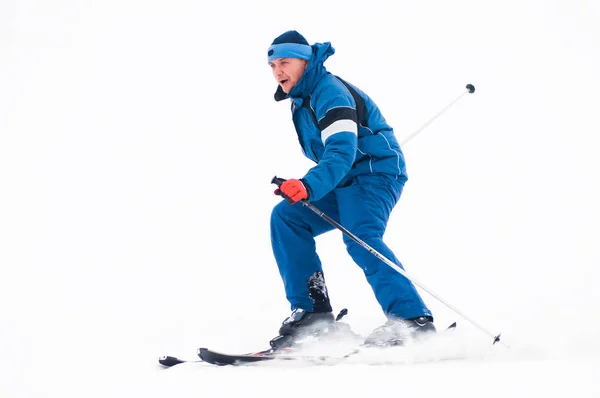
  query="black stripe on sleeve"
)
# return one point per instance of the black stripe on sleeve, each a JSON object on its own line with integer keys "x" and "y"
{"x": 335, "y": 114}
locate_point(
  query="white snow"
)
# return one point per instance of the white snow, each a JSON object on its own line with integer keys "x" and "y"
{"x": 137, "y": 144}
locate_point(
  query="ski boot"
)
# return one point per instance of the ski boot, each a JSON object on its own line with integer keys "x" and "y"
{"x": 397, "y": 331}
{"x": 302, "y": 324}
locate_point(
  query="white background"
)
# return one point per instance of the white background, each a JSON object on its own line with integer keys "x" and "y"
{"x": 137, "y": 144}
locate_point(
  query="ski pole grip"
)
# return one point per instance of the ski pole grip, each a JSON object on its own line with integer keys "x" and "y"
{"x": 278, "y": 181}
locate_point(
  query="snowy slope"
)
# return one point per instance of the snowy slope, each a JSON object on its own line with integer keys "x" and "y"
{"x": 137, "y": 143}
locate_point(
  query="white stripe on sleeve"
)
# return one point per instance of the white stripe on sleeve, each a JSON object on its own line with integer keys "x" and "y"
{"x": 339, "y": 126}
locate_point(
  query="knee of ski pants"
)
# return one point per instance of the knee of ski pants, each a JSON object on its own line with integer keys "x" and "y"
{"x": 286, "y": 222}
{"x": 283, "y": 213}
{"x": 279, "y": 222}
{"x": 286, "y": 217}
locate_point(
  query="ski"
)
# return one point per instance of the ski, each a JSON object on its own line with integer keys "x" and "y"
{"x": 221, "y": 359}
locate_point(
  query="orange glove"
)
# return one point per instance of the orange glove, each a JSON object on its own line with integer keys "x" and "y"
{"x": 293, "y": 190}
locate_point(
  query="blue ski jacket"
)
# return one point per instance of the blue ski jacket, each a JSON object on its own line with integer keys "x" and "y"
{"x": 340, "y": 128}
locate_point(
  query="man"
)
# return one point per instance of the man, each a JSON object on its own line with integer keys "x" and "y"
{"x": 357, "y": 180}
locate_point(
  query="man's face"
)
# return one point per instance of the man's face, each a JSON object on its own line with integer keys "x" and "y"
{"x": 288, "y": 71}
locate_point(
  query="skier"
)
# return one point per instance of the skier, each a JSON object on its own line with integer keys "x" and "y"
{"x": 357, "y": 180}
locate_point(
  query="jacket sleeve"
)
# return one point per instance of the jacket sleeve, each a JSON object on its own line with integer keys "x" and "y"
{"x": 338, "y": 124}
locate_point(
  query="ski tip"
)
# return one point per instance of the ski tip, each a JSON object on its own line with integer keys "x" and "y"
{"x": 202, "y": 353}
{"x": 169, "y": 361}
{"x": 453, "y": 326}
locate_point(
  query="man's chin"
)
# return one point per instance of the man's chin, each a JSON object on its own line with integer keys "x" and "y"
{"x": 288, "y": 87}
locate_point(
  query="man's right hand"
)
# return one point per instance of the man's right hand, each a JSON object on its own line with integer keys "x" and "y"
{"x": 293, "y": 190}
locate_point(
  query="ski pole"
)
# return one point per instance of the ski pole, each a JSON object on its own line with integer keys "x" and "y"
{"x": 470, "y": 90}
{"x": 279, "y": 181}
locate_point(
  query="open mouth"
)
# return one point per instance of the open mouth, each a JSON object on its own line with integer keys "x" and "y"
{"x": 284, "y": 81}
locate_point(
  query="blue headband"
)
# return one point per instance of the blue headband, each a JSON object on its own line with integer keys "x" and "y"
{"x": 290, "y": 50}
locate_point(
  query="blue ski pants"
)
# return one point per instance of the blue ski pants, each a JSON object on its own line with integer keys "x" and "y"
{"x": 363, "y": 207}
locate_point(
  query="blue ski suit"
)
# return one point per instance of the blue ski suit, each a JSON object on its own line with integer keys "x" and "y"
{"x": 357, "y": 180}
